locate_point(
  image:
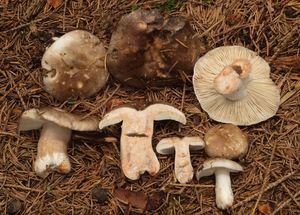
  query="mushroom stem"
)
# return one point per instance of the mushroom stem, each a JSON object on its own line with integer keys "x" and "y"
{"x": 232, "y": 80}
{"x": 137, "y": 156}
{"x": 224, "y": 194}
{"x": 183, "y": 167}
{"x": 52, "y": 150}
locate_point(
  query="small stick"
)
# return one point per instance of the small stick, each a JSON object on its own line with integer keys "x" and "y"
{"x": 282, "y": 205}
{"x": 270, "y": 186}
{"x": 291, "y": 195}
{"x": 104, "y": 103}
{"x": 191, "y": 185}
{"x": 23, "y": 25}
{"x": 265, "y": 179}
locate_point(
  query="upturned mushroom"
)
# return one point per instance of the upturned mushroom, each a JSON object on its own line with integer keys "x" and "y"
{"x": 147, "y": 49}
{"x": 56, "y": 126}
{"x": 137, "y": 155}
{"x": 75, "y": 65}
{"x": 221, "y": 168}
{"x": 233, "y": 85}
{"x": 182, "y": 146}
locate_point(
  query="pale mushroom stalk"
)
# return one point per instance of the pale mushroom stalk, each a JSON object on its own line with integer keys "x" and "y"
{"x": 183, "y": 166}
{"x": 232, "y": 80}
{"x": 224, "y": 194}
{"x": 52, "y": 150}
{"x": 137, "y": 155}
{"x": 221, "y": 168}
{"x": 56, "y": 126}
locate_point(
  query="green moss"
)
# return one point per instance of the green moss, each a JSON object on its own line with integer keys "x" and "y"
{"x": 169, "y": 6}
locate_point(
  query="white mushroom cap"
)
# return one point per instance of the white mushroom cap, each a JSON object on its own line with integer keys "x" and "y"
{"x": 255, "y": 98}
{"x": 76, "y": 65}
{"x": 167, "y": 146}
{"x": 35, "y": 119}
{"x": 211, "y": 165}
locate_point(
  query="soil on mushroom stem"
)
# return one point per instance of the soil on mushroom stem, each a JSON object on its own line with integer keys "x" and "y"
{"x": 26, "y": 28}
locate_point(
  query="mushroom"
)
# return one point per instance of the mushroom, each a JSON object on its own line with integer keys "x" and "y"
{"x": 148, "y": 50}
{"x": 226, "y": 141}
{"x": 223, "y": 142}
{"x": 75, "y": 66}
{"x": 56, "y": 130}
{"x": 221, "y": 168}
{"x": 137, "y": 155}
{"x": 182, "y": 146}
{"x": 233, "y": 85}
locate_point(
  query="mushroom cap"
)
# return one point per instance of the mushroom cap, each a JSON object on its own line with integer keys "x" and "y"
{"x": 35, "y": 119}
{"x": 211, "y": 165}
{"x": 148, "y": 50}
{"x": 156, "y": 112}
{"x": 167, "y": 145}
{"x": 75, "y": 65}
{"x": 263, "y": 97}
{"x": 226, "y": 141}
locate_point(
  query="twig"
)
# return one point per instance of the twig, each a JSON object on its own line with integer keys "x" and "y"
{"x": 22, "y": 25}
{"x": 104, "y": 103}
{"x": 265, "y": 179}
{"x": 282, "y": 205}
{"x": 191, "y": 185}
{"x": 39, "y": 190}
{"x": 291, "y": 195}
{"x": 286, "y": 39}
{"x": 270, "y": 186}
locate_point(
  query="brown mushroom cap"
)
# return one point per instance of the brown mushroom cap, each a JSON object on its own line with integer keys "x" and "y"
{"x": 148, "y": 50}
{"x": 75, "y": 66}
{"x": 226, "y": 141}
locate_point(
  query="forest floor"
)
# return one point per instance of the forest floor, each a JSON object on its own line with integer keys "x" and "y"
{"x": 270, "y": 182}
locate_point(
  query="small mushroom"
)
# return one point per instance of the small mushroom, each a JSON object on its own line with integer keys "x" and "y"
{"x": 137, "y": 155}
{"x": 56, "y": 130}
{"x": 148, "y": 50}
{"x": 182, "y": 146}
{"x": 226, "y": 141}
{"x": 221, "y": 168}
{"x": 75, "y": 65}
{"x": 233, "y": 85}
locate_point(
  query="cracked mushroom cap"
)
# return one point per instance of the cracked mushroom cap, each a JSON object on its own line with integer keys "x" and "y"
{"x": 211, "y": 165}
{"x": 35, "y": 119}
{"x": 148, "y": 50}
{"x": 233, "y": 85}
{"x": 75, "y": 66}
{"x": 226, "y": 141}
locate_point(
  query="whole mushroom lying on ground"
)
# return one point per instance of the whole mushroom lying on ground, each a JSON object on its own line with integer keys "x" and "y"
{"x": 182, "y": 146}
{"x": 148, "y": 50}
{"x": 75, "y": 65}
{"x": 137, "y": 155}
{"x": 233, "y": 85}
{"x": 57, "y": 126}
{"x": 223, "y": 142}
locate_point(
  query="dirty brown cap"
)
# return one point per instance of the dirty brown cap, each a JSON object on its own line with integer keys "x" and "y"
{"x": 226, "y": 141}
{"x": 75, "y": 65}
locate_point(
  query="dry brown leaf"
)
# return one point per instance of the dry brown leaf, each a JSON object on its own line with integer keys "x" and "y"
{"x": 156, "y": 200}
{"x": 132, "y": 198}
{"x": 265, "y": 209}
{"x": 54, "y": 3}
